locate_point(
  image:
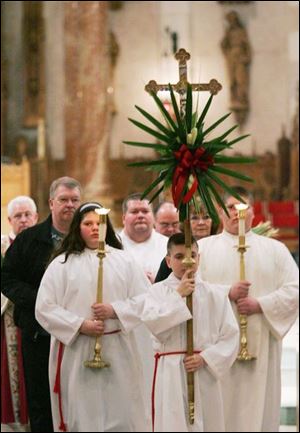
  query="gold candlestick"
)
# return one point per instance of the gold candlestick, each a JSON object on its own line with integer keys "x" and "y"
{"x": 97, "y": 361}
{"x": 242, "y": 248}
{"x": 188, "y": 261}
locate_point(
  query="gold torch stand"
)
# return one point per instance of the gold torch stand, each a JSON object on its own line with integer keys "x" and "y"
{"x": 243, "y": 355}
{"x": 188, "y": 261}
{"x": 97, "y": 361}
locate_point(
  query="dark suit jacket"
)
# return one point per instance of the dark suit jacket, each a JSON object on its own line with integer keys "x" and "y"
{"x": 23, "y": 267}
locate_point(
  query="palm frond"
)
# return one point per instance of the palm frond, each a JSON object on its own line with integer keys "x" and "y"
{"x": 156, "y": 123}
{"x": 231, "y": 173}
{"x": 214, "y": 125}
{"x": 204, "y": 112}
{"x": 189, "y": 109}
{"x": 145, "y": 128}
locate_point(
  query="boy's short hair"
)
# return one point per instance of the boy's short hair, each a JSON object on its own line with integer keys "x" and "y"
{"x": 178, "y": 239}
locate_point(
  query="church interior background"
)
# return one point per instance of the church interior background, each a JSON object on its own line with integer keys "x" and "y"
{"x": 72, "y": 72}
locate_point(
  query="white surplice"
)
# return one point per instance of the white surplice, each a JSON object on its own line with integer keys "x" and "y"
{"x": 216, "y": 335}
{"x": 252, "y": 389}
{"x": 109, "y": 399}
{"x": 148, "y": 255}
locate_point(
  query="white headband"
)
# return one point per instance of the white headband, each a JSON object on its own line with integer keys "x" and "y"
{"x": 96, "y": 205}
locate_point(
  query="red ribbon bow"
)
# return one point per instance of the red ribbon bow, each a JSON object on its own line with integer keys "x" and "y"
{"x": 188, "y": 162}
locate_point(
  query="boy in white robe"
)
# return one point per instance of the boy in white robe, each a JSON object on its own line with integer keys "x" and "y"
{"x": 216, "y": 337}
{"x": 82, "y": 398}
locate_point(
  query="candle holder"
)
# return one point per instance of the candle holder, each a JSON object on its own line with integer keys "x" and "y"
{"x": 243, "y": 355}
{"x": 97, "y": 361}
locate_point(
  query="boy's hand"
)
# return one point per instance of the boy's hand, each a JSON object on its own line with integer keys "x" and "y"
{"x": 103, "y": 312}
{"x": 193, "y": 362}
{"x": 187, "y": 284}
{"x": 92, "y": 328}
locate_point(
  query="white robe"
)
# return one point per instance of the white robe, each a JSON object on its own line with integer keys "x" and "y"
{"x": 149, "y": 255}
{"x": 215, "y": 334}
{"x": 110, "y": 399}
{"x": 252, "y": 389}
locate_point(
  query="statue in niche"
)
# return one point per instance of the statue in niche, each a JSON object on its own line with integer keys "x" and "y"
{"x": 236, "y": 48}
{"x": 21, "y": 149}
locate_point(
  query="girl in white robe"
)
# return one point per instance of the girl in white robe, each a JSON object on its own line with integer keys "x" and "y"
{"x": 91, "y": 399}
{"x": 216, "y": 336}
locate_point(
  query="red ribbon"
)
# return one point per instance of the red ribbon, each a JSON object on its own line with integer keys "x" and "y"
{"x": 188, "y": 162}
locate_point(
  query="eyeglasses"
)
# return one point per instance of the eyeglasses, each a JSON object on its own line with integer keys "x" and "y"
{"x": 165, "y": 225}
{"x": 200, "y": 217}
{"x": 65, "y": 200}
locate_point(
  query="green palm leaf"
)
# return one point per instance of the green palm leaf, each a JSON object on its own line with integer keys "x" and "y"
{"x": 181, "y": 131}
{"x": 228, "y": 132}
{"x": 216, "y": 195}
{"x": 224, "y": 186}
{"x": 189, "y": 109}
{"x": 234, "y": 159}
{"x": 155, "y": 183}
{"x": 238, "y": 139}
{"x": 154, "y": 146}
{"x": 156, "y": 123}
{"x": 205, "y": 197}
{"x": 164, "y": 112}
{"x": 155, "y": 195}
{"x": 214, "y": 125}
{"x": 145, "y": 128}
{"x": 230, "y": 173}
{"x": 151, "y": 163}
{"x": 205, "y": 110}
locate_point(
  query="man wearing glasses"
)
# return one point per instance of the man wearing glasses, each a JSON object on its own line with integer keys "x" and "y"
{"x": 166, "y": 219}
{"x": 23, "y": 268}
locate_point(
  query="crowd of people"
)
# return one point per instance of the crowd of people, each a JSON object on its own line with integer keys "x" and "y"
{"x": 51, "y": 318}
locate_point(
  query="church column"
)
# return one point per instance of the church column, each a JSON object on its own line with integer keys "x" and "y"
{"x": 86, "y": 116}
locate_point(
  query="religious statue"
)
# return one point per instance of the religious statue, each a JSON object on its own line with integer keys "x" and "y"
{"x": 236, "y": 48}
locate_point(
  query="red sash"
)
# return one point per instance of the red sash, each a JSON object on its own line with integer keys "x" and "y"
{"x": 157, "y": 356}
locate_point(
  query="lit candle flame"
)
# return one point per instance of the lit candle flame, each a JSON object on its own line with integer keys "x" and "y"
{"x": 102, "y": 223}
{"x": 241, "y": 208}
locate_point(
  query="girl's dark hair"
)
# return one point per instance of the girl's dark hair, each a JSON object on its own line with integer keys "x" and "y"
{"x": 73, "y": 242}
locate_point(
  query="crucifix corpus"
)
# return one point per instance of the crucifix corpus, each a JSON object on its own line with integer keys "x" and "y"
{"x": 189, "y": 163}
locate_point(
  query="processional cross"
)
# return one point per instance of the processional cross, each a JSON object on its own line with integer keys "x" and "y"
{"x": 182, "y": 56}
{"x": 181, "y": 88}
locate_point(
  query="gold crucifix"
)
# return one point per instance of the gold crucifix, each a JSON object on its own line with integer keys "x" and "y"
{"x": 182, "y": 56}
{"x": 181, "y": 87}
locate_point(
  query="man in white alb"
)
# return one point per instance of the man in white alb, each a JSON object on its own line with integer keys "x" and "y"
{"x": 251, "y": 389}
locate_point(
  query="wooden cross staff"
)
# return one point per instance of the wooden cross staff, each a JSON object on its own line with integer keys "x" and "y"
{"x": 181, "y": 87}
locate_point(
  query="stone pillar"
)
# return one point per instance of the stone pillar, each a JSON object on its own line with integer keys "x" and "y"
{"x": 86, "y": 115}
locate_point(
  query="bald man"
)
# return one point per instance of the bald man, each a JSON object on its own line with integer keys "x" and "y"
{"x": 166, "y": 219}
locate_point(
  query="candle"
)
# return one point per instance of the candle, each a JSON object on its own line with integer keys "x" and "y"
{"x": 241, "y": 226}
{"x": 241, "y": 208}
{"x": 41, "y": 142}
{"x": 102, "y": 223}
